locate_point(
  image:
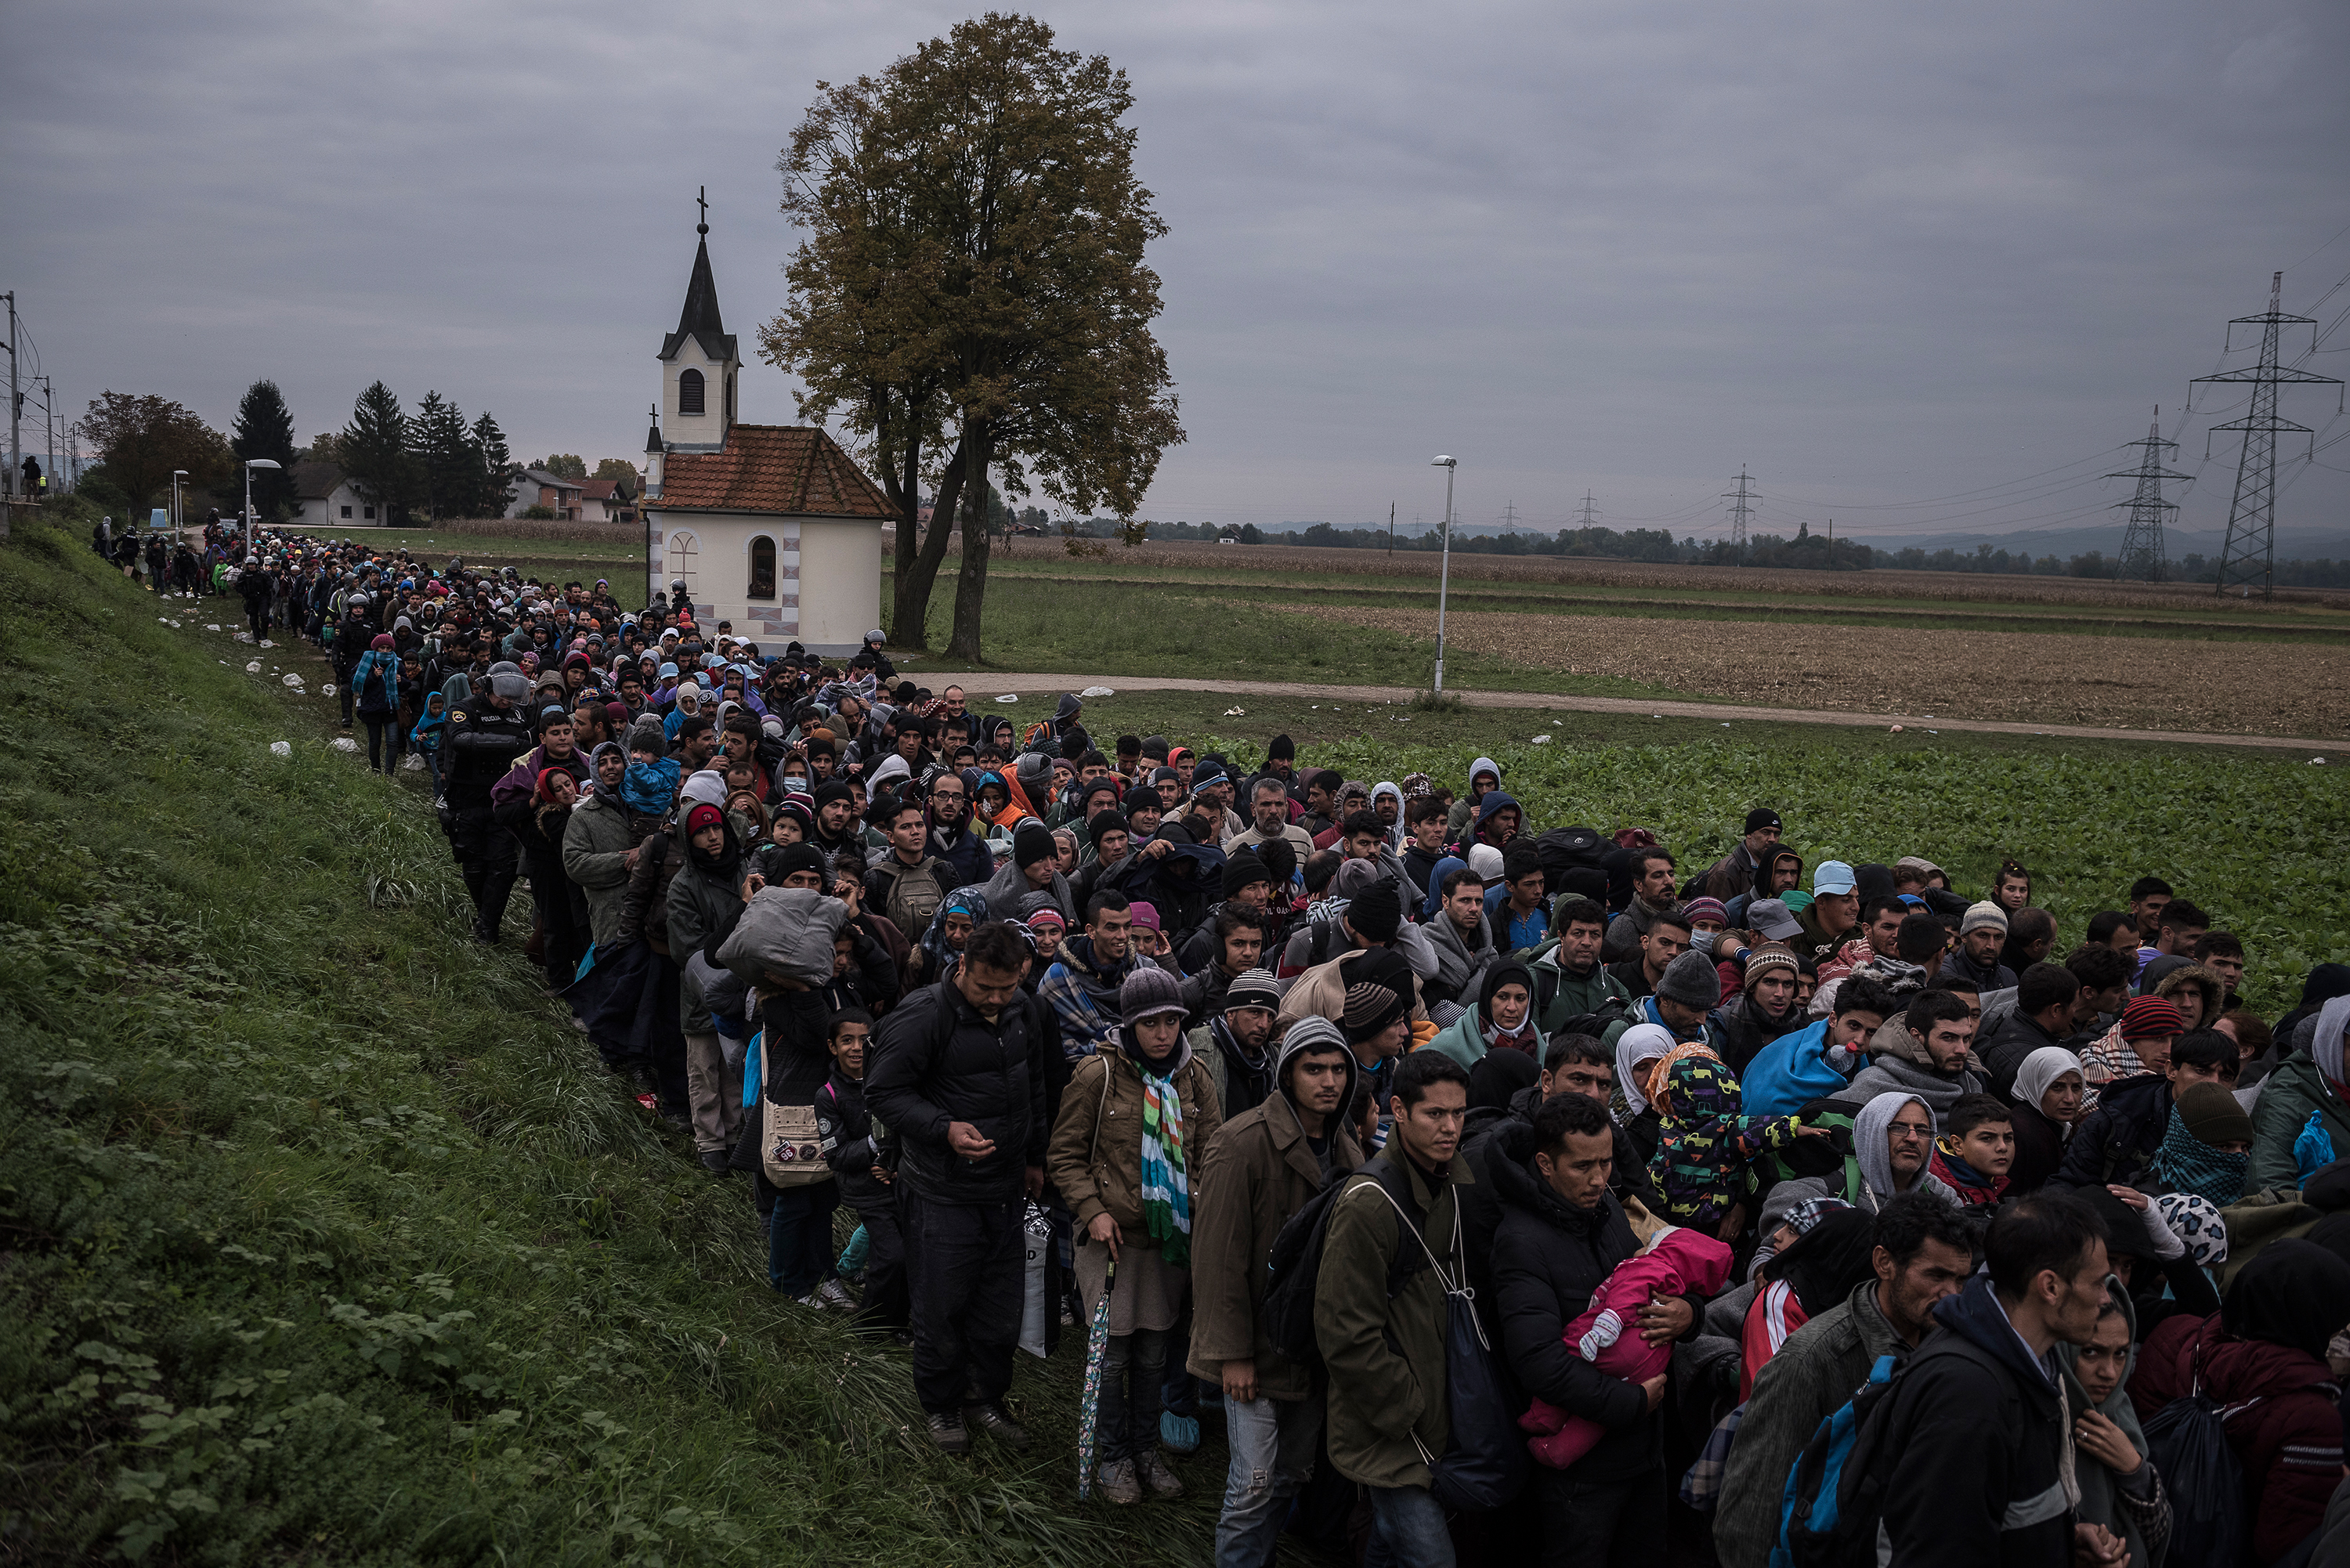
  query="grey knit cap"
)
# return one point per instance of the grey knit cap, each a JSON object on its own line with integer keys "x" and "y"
{"x": 1149, "y": 992}
{"x": 1691, "y": 981}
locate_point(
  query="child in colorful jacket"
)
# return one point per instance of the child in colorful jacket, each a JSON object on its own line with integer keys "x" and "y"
{"x": 1705, "y": 1143}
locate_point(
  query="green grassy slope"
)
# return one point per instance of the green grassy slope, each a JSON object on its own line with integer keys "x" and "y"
{"x": 326, "y": 1238}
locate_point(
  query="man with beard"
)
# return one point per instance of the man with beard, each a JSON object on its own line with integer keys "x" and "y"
{"x": 1570, "y": 973}
{"x": 1926, "y": 1056}
{"x": 1764, "y": 1008}
{"x": 1735, "y": 872}
{"x": 951, "y": 839}
{"x": 1460, "y": 933}
{"x": 1665, "y": 937}
{"x": 1652, "y": 895}
{"x": 1082, "y": 986}
{"x": 1982, "y": 933}
{"x": 1236, "y": 1041}
{"x": 1269, "y": 818}
{"x": 835, "y": 819}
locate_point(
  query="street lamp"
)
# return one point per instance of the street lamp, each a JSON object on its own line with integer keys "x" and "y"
{"x": 250, "y": 465}
{"x": 1444, "y": 577}
{"x": 177, "y": 474}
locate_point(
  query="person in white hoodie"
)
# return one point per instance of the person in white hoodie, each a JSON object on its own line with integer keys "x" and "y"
{"x": 1483, "y": 774}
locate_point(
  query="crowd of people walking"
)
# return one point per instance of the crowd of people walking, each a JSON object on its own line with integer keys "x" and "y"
{"x": 1500, "y": 1190}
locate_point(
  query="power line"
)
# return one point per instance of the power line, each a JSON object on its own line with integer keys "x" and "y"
{"x": 2142, "y": 545}
{"x": 1739, "y": 510}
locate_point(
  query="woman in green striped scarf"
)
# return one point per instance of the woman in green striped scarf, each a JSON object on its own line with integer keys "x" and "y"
{"x": 1133, "y": 1124}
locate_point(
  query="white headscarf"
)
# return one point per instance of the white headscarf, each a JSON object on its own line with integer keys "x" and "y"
{"x": 2325, "y": 1040}
{"x": 707, "y": 786}
{"x": 2042, "y": 1068}
{"x": 1641, "y": 1042}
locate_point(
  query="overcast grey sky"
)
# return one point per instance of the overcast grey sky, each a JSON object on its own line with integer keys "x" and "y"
{"x": 1880, "y": 253}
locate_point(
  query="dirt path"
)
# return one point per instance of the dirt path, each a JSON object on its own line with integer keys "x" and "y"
{"x": 981, "y": 685}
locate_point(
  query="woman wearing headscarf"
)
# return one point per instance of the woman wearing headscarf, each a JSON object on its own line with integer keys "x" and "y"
{"x": 686, "y": 706}
{"x": 2261, "y": 1359}
{"x": 2046, "y": 1100}
{"x": 562, "y": 907}
{"x": 1502, "y": 1019}
{"x": 943, "y": 939}
{"x": 2119, "y": 1488}
{"x": 2306, "y": 1095}
{"x": 1636, "y": 1049}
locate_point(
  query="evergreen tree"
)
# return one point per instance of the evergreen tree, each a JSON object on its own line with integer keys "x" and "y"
{"x": 493, "y": 479}
{"x": 448, "y": 469}
{"x": 265, "y": 428}
{"x": 376, "y": 454}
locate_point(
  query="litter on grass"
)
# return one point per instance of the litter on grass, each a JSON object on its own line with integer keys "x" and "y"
{"x": 1542, "y": 740}
{"x": 1009, "y": 697}
{"x": 1097, "y": 692}
{"x": 344, "y": 744}
{"x": 281, "y": 748}
{"x": 252, "y": 667}
{"x": 293, "y": 680}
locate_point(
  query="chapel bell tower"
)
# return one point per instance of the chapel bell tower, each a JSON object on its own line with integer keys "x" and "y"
{"x": 699, "y": 361}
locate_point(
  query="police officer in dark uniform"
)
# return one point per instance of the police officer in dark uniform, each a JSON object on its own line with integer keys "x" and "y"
{"x": 483, "y": 739}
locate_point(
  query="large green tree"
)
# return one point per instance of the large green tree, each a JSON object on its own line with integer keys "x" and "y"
{"x": 565, "y": 465}
{"x": 973, "y": 274}
{"x": 140, "y": 438}
{"x": 265, "y": 428}
{"x": 494, "y": 479}
{"x": 374, "y": 448}
{"x": 447, "y": 467}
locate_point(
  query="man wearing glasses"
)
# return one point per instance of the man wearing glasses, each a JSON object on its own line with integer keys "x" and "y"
{"x": 951, "y": 839}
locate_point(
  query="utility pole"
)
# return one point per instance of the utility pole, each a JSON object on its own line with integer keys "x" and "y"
{"x": 1586, "y": 515}
{"x": 1391, "y": 528}
{"x": 2249, "y": 553}
{"x": 1445, "y": 571}
{"x": 1739, "y": 511}
{"x": 2142, "y": 544}
{"x": 49, "y": 432}
{"x": 1510, "y": 518}
{"x": 16, "y": 404}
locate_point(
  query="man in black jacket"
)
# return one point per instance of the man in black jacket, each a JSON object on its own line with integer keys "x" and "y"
{"x": 2119, "y": 1140}
{"x": 957, "y": 1077}
{"x": 1976, "y": 1443}
{"x": 483, "y": 739}
{"x": 1562, "y": 1233}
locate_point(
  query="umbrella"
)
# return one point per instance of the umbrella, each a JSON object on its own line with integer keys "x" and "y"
{"x": 1089, "y": 1404}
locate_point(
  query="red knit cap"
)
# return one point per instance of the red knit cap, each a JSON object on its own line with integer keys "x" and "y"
{"x": 2148, "y": 1016}
{"x": 705, "y": 815}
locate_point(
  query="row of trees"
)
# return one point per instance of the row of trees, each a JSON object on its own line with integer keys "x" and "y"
{"x": 431, "y": 463}
{"x": 972, "y": 297}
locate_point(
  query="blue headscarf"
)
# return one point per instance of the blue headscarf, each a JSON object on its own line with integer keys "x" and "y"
{"x": 967, "y": 900}
{"x": 1435, "y": 900}
{"x": 650, "y": 787}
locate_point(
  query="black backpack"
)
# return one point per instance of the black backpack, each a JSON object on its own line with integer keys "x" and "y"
{"x": 1564, "y": 849}
{"x": 1294, "y": 1269}
{"x": 1834, "y": 1504}
{"x": 2187, "y": 1441}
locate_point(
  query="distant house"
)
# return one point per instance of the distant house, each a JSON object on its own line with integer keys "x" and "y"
{"x": 325, "y": 497}
{"x": 607, "y": 501}
{"x": 536, "y": 487}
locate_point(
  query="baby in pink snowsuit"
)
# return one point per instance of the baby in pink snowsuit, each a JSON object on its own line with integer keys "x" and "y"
{"x": 1676, "y": 1261}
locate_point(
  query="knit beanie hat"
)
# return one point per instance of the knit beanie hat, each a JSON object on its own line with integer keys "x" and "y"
{"x": 1760, "y": 817}
{"x": 1032, "y": 841}
{"x": 1370, "y": 1009}
{"x": 1148, "y": 992}
{"x": 2212, "y": 1115}
{"x": 2146, "y": 1016}
{"x": 703, "y": 815}
{"x": 1761, "y": 961}
{"x": 1376, "y": 913}
{"x": 1107, "y": 823}
{"x": 1253, "y": 988}
{"x": 1280, "y": 749}
{"x": 1242, "y": 869}
{"x": 1691, "y": 981}
{"x": 1985, "y": 914}
{"x": 1486, "y": 861}
{"x": 1706, "y": 909}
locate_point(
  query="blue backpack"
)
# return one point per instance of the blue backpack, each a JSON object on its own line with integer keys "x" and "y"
{"x": 1830, "y": 1513}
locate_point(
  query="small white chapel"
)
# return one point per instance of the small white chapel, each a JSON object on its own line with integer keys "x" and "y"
{"x": 772, "y": 527}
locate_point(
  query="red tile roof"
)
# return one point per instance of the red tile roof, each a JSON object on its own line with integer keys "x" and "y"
{"x": 794, "y": 470}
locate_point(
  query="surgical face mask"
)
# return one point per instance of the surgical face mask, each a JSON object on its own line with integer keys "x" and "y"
{"x": 1704, "y": 940}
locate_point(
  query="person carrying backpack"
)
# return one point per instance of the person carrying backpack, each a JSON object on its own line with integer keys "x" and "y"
{"x": 908, "y": 883}
{"x": 1388, "y": 1421}
{"x": 1974, "y": 1450}
{"x": 1262, "y": 1168}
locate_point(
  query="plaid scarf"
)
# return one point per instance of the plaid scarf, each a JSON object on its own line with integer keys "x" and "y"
{"x": 1166, "y": 1187}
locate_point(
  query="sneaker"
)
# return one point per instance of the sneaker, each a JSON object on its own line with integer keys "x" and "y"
{"x": 809, "y": 1302}
{"x": 1179, "y": 1433}
{"x": 833, "y": 1294}
{"x": 947, "y": 1432}
{"x": 1157, "y": 1477}
{"x": 1119, "y": 1483}
{"x": 988, "y": 1417}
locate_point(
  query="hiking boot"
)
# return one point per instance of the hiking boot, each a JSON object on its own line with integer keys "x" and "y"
{"x": 988, "y": 1417}
{"x": 1181, "y": 1434}
{"x": 947, "y": 1432}
{"x": 833, "y": 1294}
{"x": 1157, "y": 1477}
{"x": 642, "y": 1080}
{"x": 715, "y": 1162}
{"x": 1119, "y": 1484}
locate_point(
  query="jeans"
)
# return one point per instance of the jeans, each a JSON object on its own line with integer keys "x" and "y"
{"x": 1273, "y": 1443}
{"x": 380, "y": 728}
{"x": 1408, "y": 1530}
{"x": 714, "y": 1093}
{"x": 1126, "y": 1424}
{"x": 884, "y": 1303}
{"x": 1601, "y": 1524}
{"x": 965, "y": 1274}
{"x": 799, "y": 1237}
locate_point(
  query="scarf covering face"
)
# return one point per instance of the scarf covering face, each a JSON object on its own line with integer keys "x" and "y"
{"x": 2189, "y": 1164}
{"x": 1642, "y": 1043}
{"x": 1166, "y": 1185}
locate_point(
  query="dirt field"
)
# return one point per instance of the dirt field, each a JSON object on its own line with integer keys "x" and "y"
{"x": 1955, "y": 586}
{"x": 2112, "y": 683}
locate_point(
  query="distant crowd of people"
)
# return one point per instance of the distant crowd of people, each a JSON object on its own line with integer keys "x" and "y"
{"x": 1503, "y": 1191}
